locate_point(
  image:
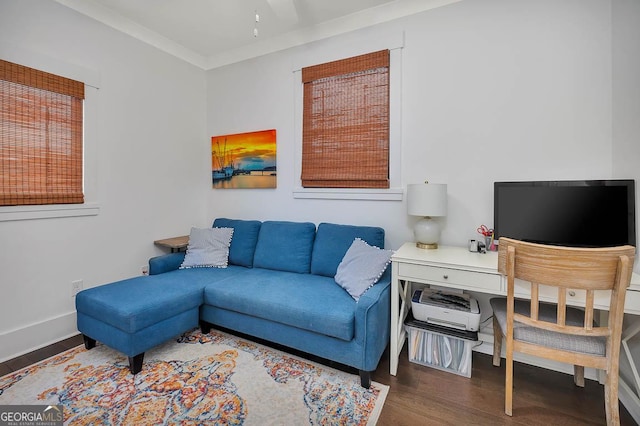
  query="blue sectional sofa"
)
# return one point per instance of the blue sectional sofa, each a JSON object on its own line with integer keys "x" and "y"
{"x": 279, "y": 286}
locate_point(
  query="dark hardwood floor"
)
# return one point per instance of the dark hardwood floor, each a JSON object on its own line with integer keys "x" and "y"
{"x": 420, "y": 395}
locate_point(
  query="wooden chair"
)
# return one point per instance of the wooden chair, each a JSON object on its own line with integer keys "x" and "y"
{"x": 555, "y": 331}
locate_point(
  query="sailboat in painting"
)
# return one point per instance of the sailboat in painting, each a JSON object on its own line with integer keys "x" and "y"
{"x": 223, "y": 162}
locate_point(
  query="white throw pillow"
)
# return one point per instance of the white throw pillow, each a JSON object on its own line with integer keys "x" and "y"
{"x": 361, "y": 267}
{"x": 208, "y": 248}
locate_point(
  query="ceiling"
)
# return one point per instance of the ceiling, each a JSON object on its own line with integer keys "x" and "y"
{"x": 212, "y": 33}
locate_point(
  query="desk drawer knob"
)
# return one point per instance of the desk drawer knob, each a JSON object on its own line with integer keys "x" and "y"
{"x": 446, "y": 277}
{"x": 572, "y": 293}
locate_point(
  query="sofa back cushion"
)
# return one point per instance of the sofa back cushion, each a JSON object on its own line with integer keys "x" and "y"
{"x": 333, "y": 241}
{"x": 243, "y": 243}
{"x": 285, "y": 246}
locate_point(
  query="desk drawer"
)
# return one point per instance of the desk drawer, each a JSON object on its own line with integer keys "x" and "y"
{"x": 601, "y": 298}
{"x": 448, "y": 276}
{"x": 550, "y": 294}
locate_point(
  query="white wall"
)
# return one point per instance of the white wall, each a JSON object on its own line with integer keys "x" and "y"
{"x": 144, "y": 132}
{"x": 626, "y": 93}
{"x": 491, "y": 90}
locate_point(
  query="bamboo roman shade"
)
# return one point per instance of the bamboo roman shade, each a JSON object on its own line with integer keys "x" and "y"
{"x": 40, "y": 137}
{"x": 345, "y": 135}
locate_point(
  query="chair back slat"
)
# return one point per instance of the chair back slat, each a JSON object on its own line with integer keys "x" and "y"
{"x": 588, "y": 310}
{"x": 562, "y": 306}
{"x": 535, "y": 294}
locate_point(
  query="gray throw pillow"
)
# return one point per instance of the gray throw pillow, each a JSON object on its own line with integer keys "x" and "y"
{"x": 208, "y": 248}
{"x": 361, "y": 267}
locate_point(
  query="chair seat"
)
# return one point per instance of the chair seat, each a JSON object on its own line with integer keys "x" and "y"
{"x": 595, "y": 345}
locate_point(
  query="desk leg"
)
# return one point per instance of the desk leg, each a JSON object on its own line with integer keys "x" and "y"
{"x": 394, "y": 352}
{"x": 399, "y": 312}
{"x": 626, "y": 336}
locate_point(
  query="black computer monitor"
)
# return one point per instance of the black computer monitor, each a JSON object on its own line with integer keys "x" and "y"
{"x": 584, "y": 213}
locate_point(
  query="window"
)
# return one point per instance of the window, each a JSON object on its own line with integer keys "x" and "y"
{"x": 41, "y": 116}
{"x": 345, "y": 129}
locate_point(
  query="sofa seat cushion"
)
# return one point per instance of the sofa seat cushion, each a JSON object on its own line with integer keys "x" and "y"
{"x": 136, "y": 303}
{"x": 309, "y": 302}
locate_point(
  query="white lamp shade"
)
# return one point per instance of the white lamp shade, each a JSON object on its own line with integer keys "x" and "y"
{"x": 427, "y": 199}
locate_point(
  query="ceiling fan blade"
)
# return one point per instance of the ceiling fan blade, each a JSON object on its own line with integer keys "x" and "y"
{"x": 284, "y": 9}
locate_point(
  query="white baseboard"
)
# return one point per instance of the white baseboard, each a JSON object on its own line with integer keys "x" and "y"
{"x": 34, "y": 336}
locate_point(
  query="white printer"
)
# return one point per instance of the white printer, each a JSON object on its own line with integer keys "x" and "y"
{"x": 451, "y": 310}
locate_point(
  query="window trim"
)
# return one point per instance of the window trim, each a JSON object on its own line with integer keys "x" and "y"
{"x": 47, "y": 211}
{"x": 395, "y": 191}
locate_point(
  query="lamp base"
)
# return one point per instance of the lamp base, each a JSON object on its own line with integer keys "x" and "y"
{"x": 427, "y": 246}
{"x": 427, "y": 233}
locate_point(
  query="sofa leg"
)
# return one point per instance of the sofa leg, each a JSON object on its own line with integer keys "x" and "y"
{"x": 365, "y": 379}
{"x": 205, "y": 327}
{"x": 135, "y": 363}
{"x": 89, "y": 343}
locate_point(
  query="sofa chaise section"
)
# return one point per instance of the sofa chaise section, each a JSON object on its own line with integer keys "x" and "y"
{"x": 136, "y": 314}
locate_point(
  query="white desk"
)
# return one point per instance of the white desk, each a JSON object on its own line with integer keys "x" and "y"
{"x": 457, "y": 267}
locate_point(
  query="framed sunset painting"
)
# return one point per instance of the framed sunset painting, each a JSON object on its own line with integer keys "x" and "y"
{"x": 244, "y": 160}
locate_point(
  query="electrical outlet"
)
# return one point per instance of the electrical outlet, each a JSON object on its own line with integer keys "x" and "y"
{"x": 145, "y": 269}
{"x": 76, "y": 286}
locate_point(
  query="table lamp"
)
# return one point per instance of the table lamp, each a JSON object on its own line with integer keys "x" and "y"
{"x": 427, "y": 200}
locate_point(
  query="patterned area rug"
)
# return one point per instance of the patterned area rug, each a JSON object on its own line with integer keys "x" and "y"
{"x": 200, "y": 379}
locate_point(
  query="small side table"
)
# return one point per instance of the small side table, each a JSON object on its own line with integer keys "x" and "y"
{"x": 175, "y": 244}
